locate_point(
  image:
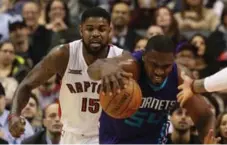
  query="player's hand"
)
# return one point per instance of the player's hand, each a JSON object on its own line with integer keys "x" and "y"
{"x": 186, "y": 90}
{"x": 17, "y": 126}
{"x": 211, "y": 139}
{"x": 114, "y": 78}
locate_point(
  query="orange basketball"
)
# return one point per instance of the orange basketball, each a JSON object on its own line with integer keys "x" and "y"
{"x": 125, "y": 104}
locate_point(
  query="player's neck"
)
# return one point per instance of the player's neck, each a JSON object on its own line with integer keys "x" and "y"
{"x": 179, "y": 137}
{"x": 90, "y": 58}
{"x": 55, "y": 138}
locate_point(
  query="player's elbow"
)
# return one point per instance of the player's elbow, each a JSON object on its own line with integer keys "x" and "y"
{"x": 24, "y": 86}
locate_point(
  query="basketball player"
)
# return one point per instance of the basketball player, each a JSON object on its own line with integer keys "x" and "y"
{"x": 215, "y": 82}
{"x": 79, "y": 95}
{"x": 159, "y": 79}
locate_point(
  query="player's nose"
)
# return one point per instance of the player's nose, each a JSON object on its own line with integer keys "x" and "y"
{"x": 159, "y": 72}
{"x": 95, "y": 33}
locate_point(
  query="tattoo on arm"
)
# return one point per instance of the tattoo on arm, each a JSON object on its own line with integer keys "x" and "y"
{"x": 198, "y": 86}
{"x": 55, "y": 62}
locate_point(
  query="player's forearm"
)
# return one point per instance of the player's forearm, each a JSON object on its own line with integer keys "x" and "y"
{"x": 20, "y": 99}
{"x": 95, "y": 70}
{"x": 201, "y": 114}
{"x": 216, "y": 82}
{"x": 205, "y": 123}
{"x": 198, "y": 86}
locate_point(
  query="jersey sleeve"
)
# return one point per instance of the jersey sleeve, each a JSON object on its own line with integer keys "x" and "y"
{"x": 216, "y": 82}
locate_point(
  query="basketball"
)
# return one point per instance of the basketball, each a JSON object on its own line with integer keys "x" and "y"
{"x": 124, "y": 104}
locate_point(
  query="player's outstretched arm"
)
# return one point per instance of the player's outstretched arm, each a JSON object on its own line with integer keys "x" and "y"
{"x": 199, "y": 111}
{"x": 215, "y": 82}
{"x": 55, "y": 62}
{"x": 113, "y": 71}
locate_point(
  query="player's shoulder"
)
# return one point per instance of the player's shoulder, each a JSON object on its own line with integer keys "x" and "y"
{"x": 115, "y": 49}
{"x": 60, "y": 50}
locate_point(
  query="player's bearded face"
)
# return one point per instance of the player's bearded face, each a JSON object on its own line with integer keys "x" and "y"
{"x": 95, "y": 34}
{"x": 158, "y": 66}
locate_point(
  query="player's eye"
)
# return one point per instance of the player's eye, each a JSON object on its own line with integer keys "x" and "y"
{"x": 102, "y": 29}
{"x": 90, "y": 29}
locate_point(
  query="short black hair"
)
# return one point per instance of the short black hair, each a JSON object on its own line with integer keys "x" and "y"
{"x": 15, "y": 25}
{"x": 174, "y": 108}
{"x": 2, "y": 90}
{"x": 95, "y": 12}
{"x": 160, "y": 43}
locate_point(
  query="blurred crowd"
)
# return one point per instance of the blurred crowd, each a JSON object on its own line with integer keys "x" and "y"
{"x": 29, "y": 29}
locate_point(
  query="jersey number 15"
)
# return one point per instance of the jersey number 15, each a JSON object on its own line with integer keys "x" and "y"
{"x": 91, "y": 105}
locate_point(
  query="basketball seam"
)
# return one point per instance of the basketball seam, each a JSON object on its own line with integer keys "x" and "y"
{"x": 107, "y": 106}
{"x": 128, "y": 101}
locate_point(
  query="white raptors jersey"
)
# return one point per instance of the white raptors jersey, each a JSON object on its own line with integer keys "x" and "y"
{"x": 79, "y": 95}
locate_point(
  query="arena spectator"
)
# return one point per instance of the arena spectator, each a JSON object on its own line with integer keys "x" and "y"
{"x": 154, "y": 30}
{"x": 221, "y": 127}
{"x": 194, "y": 16}
{"x": 142, "y": 14}
{"x": 40, "y": 37}
{"x": 182, "y": 123}
{"x": 2, "y": 132}
{"x": 141, "y": 44}
{"x": 164, "y": 18}
{"x": 19, "y": 36}
{"x": 53, "y": 128}
{"x": 123, "y": 36}
{"x": 5, "y": 134}
{"x": 205, "y": 62}
{"x": 186, "y": 55}
{"x": 11, "y": 65}
{"x": 58, "y": 21}
{"x": 32, "y": 113}
{"x": 10, "y": 85}
{"x": 6, "y": 16}
{"x": 217, "y": 40}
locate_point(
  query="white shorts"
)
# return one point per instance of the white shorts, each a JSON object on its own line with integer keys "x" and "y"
{"x": 71, "y": 138}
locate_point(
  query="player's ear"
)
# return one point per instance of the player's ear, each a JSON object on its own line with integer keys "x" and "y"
{"x": 81, "y": 34}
